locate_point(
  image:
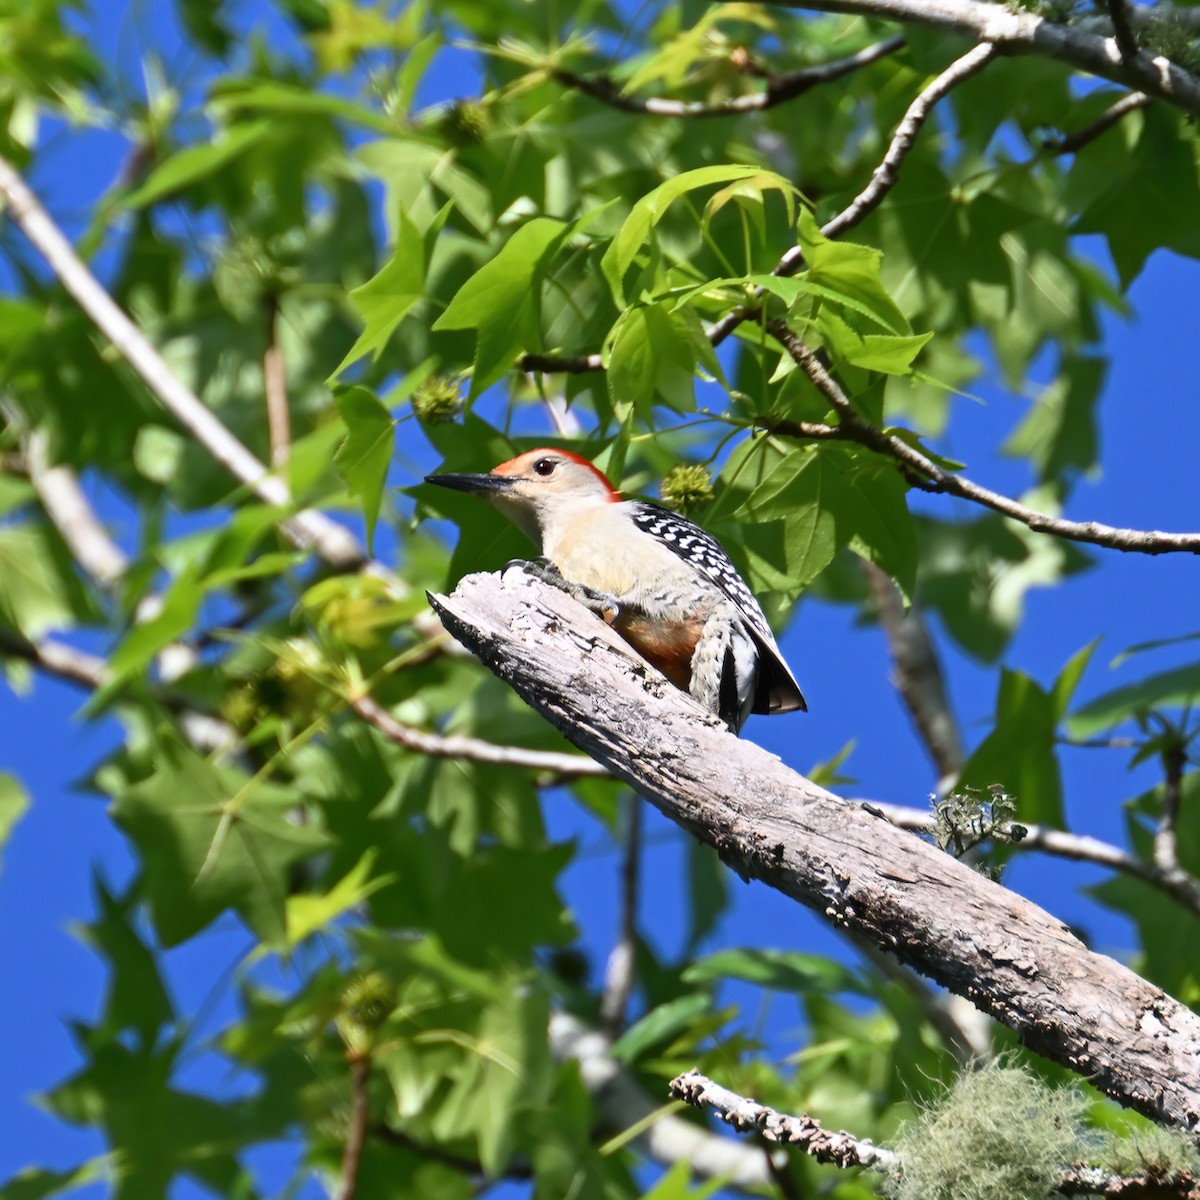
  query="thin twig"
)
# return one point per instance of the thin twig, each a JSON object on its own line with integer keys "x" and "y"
{"x": 923, "y": 473}
{"x": 333, "y": 542}
{"x": 1176, "y": 883}
{"x": 360, "y": 1076}
{"x": 619, "y": 972}
{"x": 884, "y": 177}
{"x": 1122, "y": 30}
{"x": 56, "y": 658}
{"x": 780, "y": 88}
{"x": 1071, "y": 142}
{"x": 471, "y": 749}
{"x": 279, "y": 422}
{"x": 838, "y": 1149}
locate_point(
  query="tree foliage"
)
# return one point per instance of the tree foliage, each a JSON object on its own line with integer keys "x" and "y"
{"x": 764, "y": 253}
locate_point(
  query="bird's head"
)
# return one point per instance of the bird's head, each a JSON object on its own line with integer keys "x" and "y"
{"x": 537, "y": 489}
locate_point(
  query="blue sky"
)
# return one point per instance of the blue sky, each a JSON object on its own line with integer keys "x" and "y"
{"x": 1149, "y": 432}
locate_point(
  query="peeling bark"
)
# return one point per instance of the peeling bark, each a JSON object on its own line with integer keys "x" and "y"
{"x": 1010, "y": 958}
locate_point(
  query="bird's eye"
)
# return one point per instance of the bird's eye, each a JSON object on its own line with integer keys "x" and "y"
{"x": 544, "y": 466}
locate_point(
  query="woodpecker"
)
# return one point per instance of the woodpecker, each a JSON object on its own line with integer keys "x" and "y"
{"x": 660, "y": 580}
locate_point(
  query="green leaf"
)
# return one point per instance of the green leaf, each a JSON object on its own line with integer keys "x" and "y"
{"x": 652, "y": 352}
{"x": 849, "y": 274}
{"x": 785, "y": 533}
{"x": 39, "y": 586}
{"x": 674, "y": 1185}
{"x": 501, "y": 300}
{"x": 388, "y": 297}
{"x": 1019, "y": 754}
{"x": 137, "y": 998}
{"x": 194, "y": 164}
{"x": 1059, "y": 432}
{"x": 708, "y": 888}
{"x": 13, "y": 804}
{"x": 782, "y": 970}
{"x": 976, "y": 573}
{"x": 364, "y": 457}
{"x": 649, "y": 210}
{"x": 660, "y": 1025}
{"x": 282, "y": 99}
{"x": 1178, "y": 687}
{"x": 210, "y": 840}
{"x": 815, "y": 501}
{"x": 1167, "y": 932}
{"x": 309, "y": 914}
{"x": 36, "y": 1183}
{"x": 1069, "y": 677}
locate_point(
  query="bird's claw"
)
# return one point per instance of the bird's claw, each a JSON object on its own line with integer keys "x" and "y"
{"x": 603, "y": 605}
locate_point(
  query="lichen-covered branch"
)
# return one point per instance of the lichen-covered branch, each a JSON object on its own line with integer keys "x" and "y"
{"x": 837, "y": 1149}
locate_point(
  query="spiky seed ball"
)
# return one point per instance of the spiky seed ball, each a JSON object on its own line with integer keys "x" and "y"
{"x": 467, "y": 122}
{"x": 686, "y": 486}
{"x": 437, "y": 401}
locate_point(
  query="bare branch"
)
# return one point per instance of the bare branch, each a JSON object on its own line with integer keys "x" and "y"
{"x": 922, "y": 472}
{"x": 279, "y": 421}
{"x": 965, "y": 932}
{"x": 1015, "y": 31}
{"x": 333, "y": 542}
{"x": 56, "y": 658}
{"x": 884, "y": 177}
{"x": 552, "y": 364}
{"x": 837, "y": 1149}
{"x": 471, "y": 749}
{"x": 780, "y": 88}
{"x": 360, "y": 1075}
{"x": 72, "y": 515}
{"x": 1071, "y": 142}
{"x": 619, "y": 973}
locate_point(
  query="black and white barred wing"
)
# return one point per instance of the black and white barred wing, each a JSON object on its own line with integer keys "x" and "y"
{"x": 778, "y": 690}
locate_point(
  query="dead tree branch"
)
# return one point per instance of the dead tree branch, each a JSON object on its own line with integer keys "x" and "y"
{"x": 970, "y": 935}
{"x": 472, "y": 749}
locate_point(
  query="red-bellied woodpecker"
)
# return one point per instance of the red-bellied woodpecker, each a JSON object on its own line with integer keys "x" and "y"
{"x": 663, "y": 583}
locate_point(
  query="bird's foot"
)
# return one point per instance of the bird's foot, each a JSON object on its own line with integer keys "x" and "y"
{"x": 600, "y": 603}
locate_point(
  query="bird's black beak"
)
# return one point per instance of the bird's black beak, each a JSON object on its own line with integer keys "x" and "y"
{"x": 480, "y": 484}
